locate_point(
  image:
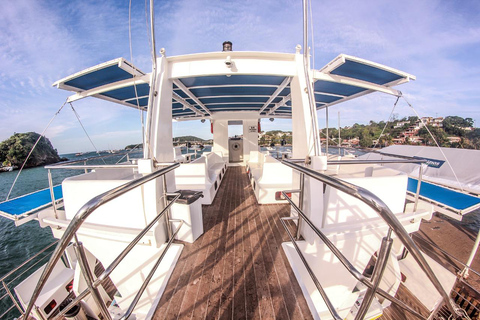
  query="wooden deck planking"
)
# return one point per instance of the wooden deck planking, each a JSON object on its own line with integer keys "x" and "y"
{"x": 237, "y": 268}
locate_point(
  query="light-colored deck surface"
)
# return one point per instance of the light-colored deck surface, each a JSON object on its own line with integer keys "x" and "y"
{"x": 237, "y": 268}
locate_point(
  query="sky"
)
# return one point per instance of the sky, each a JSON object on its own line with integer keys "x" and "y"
{"x": 44, "y": 41}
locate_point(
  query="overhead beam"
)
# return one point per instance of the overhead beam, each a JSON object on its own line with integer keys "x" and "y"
{"x": 276, "y": 93}
{"x": 179, "y": 84}
{"x": 280, "y": 103}
{"x": 182, "y": 101}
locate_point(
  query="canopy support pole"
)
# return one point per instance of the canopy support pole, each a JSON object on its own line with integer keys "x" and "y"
{"x": 464, "y": 272}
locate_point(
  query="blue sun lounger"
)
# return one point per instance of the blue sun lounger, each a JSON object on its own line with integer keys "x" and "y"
{"x": 24, "y": 206}
{"x": 445, "y": 200}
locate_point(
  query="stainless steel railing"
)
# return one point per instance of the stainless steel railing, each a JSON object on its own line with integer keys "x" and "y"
{"x": 402, "y": 159}
{"x": 74, "y": 165}
{"x": 75, "y": 224}
{"x": 28, "y": 264}
{"x": 394, "y": 225}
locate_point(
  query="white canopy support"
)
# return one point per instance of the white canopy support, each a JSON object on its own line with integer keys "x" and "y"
{"x": 282, "y": 86}
{"x": 280, "y": 103}
{"x": 464, "y": 272}
{"x": 191, "y": 95}
{"x": 179, "y": 99}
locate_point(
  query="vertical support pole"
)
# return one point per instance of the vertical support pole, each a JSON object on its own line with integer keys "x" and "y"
{"x": 152, "y": 93}
{"x": 52, "y": 195}
{"x": 300, "y": 204}
{"x": 464, "y": 272}
{"x": 382, "y": 260}
{"x": 326, "y": 140}
{"x": 339, "y": 139}
{"x": 420, "y": 174}
{"x": 85, "y": 163}
{"x": 87, "y": 274}
{"x": 309, "y": 87}
{"x": 167, "y": 214}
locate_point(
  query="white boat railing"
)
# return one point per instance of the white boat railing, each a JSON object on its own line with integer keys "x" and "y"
{"x": 394, "y": 225}
{"x": 70, "y": 234}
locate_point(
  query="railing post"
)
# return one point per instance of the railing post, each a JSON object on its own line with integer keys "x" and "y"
{"x": 377, "y": 275}
{"x": 300, "y": 204}
{"x": 52, "y": 195}
{"x": 419, "y": 182}
{"x": 167, "y": 213}
{"x": 87, "y": 274}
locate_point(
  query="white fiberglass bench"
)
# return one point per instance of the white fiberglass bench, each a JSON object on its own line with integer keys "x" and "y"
{"x": 269, "y": 176}
{"x": 357, "y": 230}
{"x": 203, "y": 174}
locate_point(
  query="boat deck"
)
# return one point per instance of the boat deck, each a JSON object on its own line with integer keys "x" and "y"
{"x": 236, "y": 269}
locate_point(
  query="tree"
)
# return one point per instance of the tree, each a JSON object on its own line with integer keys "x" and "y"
{"x": 15, "y": 150}
{"x": 438, "y": 134}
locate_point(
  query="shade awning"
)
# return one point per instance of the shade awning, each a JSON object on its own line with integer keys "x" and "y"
{"x": 116, "y": 80}
{"x": 344, "y": 78}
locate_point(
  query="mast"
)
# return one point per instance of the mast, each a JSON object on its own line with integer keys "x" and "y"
{"x": 311, "y": 98}
{"x": 153, "y": 79}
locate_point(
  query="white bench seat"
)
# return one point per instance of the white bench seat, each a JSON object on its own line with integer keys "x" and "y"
{"x": 271, "y": 177}
{"x": 204, "y": 174}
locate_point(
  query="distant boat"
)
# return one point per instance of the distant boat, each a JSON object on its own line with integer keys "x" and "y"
{"x": 8, "y": 168}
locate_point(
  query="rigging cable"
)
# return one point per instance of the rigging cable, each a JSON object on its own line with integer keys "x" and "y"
{"x": 435, "y": 140}
{"x": 30, "y": 153}
{"x": 78, "y": 118}
{"x": 389, "y": 118}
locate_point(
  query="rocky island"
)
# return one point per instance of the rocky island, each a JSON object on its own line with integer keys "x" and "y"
{"x": 15, "y": 150}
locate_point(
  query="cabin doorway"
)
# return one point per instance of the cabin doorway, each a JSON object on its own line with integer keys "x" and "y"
{"x": 235, "y": 141}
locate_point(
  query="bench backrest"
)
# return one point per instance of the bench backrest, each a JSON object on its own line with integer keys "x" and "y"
{"x": 192, "y": 173}
{"x": 275, "y": 172}
{"x": 342, "y": 208}
{"x": 213, "y": 158}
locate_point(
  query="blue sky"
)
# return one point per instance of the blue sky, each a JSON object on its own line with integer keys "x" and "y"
{"x": 43, "y": 41}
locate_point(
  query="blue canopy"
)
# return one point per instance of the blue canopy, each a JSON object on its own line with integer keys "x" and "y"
{"x": 344, "y": 78}
{"x": 457, "y": 201}
{"x": 29, "y": 203}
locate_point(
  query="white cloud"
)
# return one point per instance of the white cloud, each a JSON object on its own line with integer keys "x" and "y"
{"x": 437, "y": 41}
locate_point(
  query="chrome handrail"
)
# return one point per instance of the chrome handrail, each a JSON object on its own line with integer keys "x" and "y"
{"x": 92, "y": 166}
{"x": 366, "y": 161}
{"x": 385, "y": 213}
{"x": 51, "y": 166}
{"x": 6, "y": 284}
{"x": 350, "y": 268}
{"x": 132, "y": 306}
{"x": 81, "y": 216}
{"x": 100, "y": 279}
